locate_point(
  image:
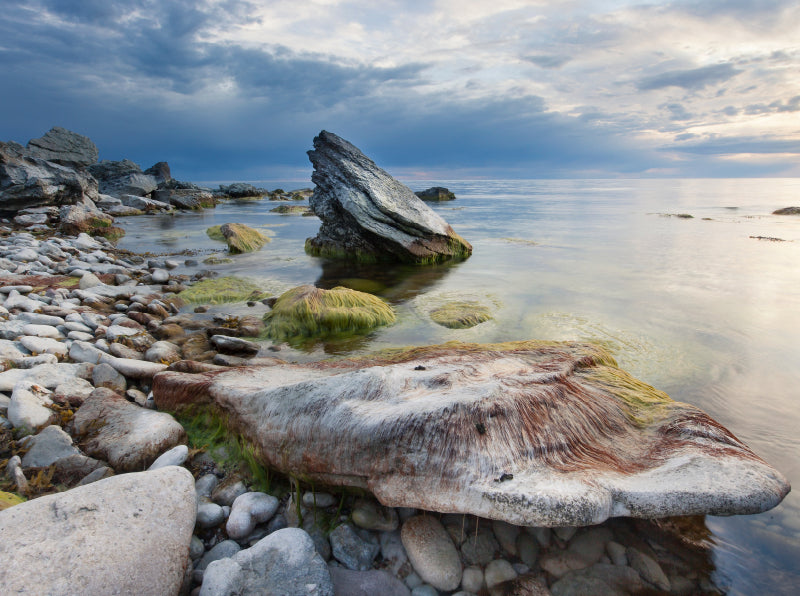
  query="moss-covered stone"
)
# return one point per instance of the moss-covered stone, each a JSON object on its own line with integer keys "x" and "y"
{"x": 215, "y": 233}
{"x": 307, "y": 311}
{"x": 290, "y": 209}
{"x": 242, "y": 238}
{"x": 461, "y": 315}
{"x": 222, "y": 289}
{"x": 215, "y": 260}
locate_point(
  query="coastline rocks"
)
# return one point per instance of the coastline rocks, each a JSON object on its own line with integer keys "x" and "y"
{"x": 284, "y": 562}
{"x": 368, "y": 215}
{"x": 125, "y": 534}
{"x": 347, "y": 582}
{"x": 29, "y": 181}
{"x": 50, "y": 445}
{"x": 125, "y": 435}
{"x": 436, "y": 193}
{"x": 241, "y": 238}
{"x": 247, "y": 511}
{"x": 64, "y": 147}
{"x": 532, "y": 433}
{"x": 351, "y": 550}
{"x": 787, "y": 211}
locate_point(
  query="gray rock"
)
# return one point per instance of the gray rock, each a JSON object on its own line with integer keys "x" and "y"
{"x": 282, "y": 563}
{"x": 29, "y": 181}
{"x": 196, "y": 548}
{"x": 34, "y": 361}
{"x": 102, "y": 535}
{"x": 209, "y": 514}
{"x": 122, "y": 433}
{"x": 226, "y": 493}
{"x": 424, "y": 590}
{"x": 160, "y": 276}
{"x": 64, "y": 147}
{"x": 527, "y": 549}
{"x": 248, "y": 510}
{"x": 648, "y": 568}
{"x": 97, "y": 474}
{"x": 184, "y": 198}
{"x": 370, "y": 515}
{"x": 235, "y": 345}
{"x": 351, "y": 550}
{"x": 205, "y": 485}
{"x": 599, "y": 579}
{"x": 347, "y": 582}
{"x": 506, "y": 535}
{"x": 174, "y": 457}
{"x": 366, "y": 211}
{"x": 436, "y": 193}
{"x": 559, "y": 563}
{"x": 431, "y": 552}
{"x": 89, "y": 280}
{"x": 616, "y": 552}
{"x": 142, "y": 203}
{"x": 565, "y": 533}
{"x": 591, "y": 544}
{"x": 43, "y": 345}
{"x": 393, "y": 552}
{"x": 50, "y": 445}
{"x": 479, "y": 549}
{"x": 472, "y": 579}
{"x": 105, "y": 375}
{"x": 222, "y": 550}
{"x": 498, "y": 571}
{"x": 317, "y": 499}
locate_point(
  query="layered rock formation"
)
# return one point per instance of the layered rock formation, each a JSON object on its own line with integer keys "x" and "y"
{"x": 368, "y": 215}
{"x": 533, "y": 433}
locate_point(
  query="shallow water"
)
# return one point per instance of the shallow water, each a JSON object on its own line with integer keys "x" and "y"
{"x": 695, "y": 307}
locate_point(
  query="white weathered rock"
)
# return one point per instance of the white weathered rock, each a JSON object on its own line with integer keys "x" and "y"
{"x": 164, "y": 352}
{"x": 537, "y": 433}
{"x": 27, "y": 408}
{"x": 174, "y": 457}
{"x": 127, "y": 534}
{"x": 123, "y": 434}
{"x": 46, "y": 375}
{"x": 498, "y": 571}
{"x": 42, "y": 331}
{"x": 44, "y": 345}
{"x": 431, "y": 552}
{"x": 89, "y": 280}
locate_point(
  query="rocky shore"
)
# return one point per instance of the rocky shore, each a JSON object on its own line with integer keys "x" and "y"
{"x": 104, "y": 493}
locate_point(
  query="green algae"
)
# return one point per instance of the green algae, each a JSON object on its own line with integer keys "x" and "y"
{"x": 461, "y": 315}
{"x": 222, "y": 289}
{"x": 242, "y": 238}
{"x": 9, "y": 500}
{"x": 215, "y": 260}
{"x": 307, "y": 311}
{"x": 215, "y": 233}
{"x": 289, "y": 209}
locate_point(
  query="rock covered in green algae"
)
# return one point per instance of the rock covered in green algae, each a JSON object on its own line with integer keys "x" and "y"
{"x": 307, "y": 311}
{"x": 239, "y": 237}
{"x": 461, "y": 314}
{"x": 222, "y": 289}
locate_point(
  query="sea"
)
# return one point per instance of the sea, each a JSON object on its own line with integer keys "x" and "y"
{"x": 692, "y": 284}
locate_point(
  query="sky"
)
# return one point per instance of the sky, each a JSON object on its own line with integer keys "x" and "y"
{"x": 447, "y": 89}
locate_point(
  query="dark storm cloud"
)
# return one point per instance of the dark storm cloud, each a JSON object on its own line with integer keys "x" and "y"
{"x": 691, "y": 79}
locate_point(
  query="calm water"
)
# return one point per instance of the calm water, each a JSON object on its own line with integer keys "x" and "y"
{"x": 695, "y": 307}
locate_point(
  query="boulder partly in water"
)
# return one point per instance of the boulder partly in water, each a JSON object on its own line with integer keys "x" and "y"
{"x": 367, "y": 215}
{"x": 532, "y": 433}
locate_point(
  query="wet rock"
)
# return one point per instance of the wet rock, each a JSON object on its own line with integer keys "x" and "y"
{"x": 559, "y": 563}
{"x": 284, "y": 562}
{"x": 591, "y": 544}
{"x": 527, "y": 549}
{"x": 164, "y": 352}
{"x": 599, "y": 579}
{"x": 392, "y": 551}
{"x": 366, "y": 213}
{"x": 436, "y": 193}
{"x": 527, "y": 585}
{"x": 352, "y": 550}
{"x": 479, "y": 549}
{"x": 370, "y": 515}
{"x": 506, "y": 535}
{"x": 234, "y": 345}
{"x": 787, "y": 211}
{"x": 102, "y": 535}
{"x": 318, "y": 499}
{"x": 343, "y": 420}
{"x": 648, "y": 568}
{"x": 122, "y": 433}
{"x": 431, "y": 552}
{"x": 616, "y": 552}
{"x": 227, "y": 492}
{"x": 472, "y": 579}
{"x": 498, "y": 571}
{"x": 347, "y": 582}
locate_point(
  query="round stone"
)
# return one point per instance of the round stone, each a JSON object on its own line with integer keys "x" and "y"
{"x": 499, "y": 571}
{"x": 431, "y": 552}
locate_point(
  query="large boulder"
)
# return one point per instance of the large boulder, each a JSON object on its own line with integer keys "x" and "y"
{"x": 30, "y": 181}
{"x": 368, "y": 215}
{"x": 118, "y": 178}
{"x": 184, "y": 198}
{"x": 532, "y": 433}
{"x": 64, "y": 147}
{"x": 128, "y": 534}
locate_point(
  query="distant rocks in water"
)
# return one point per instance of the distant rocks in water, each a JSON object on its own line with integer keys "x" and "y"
{"x": 368, "y": 215}
{"x": 64, "y": 147}
{"x": 239, "y": 190}
{"x": 242, "y": 238}
{"x": 307, "y": 311}
{"x": 436, "y": 193}
{"x": 532, "y": 433}
{"x": 768, "y": 238}
{"x": 291, "y": 210}
{"x": 678, "y": 215}
{"x": 787, "y": 211}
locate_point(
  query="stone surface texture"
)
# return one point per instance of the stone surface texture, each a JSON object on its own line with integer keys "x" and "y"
{"x": 64, "y": 147}
{"x": 533, "y": 433}
{"x": 366, "y": 213}
{"x": 127, "y": 534}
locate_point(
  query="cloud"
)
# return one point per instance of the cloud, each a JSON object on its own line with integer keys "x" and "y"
{"x": 677, "y": 111}
{"x": 548, "y": 60}
{"x": 692, "y": 79}
{"x": 733, "y": 145}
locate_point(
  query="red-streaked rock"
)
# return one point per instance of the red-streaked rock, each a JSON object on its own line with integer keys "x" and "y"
{"x": 532, "y": 433}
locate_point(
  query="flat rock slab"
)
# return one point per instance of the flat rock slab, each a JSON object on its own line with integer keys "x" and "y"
{"x": 128, "y": 534}
{"x": 124, "y": 434}
{"x": 532, "y": 433}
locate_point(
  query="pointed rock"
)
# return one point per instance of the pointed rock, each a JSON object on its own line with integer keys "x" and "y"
{"x": 368, "y": 215}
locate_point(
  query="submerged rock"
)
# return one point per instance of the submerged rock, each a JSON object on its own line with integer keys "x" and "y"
{"x": 532, "y": 433}
{"x": 242, "y": 238}
{"x": 460, "y": 315}
{"x": 307, "y": 311}
{"x": 368, "y": 215}
{"x": 787, "y": 211}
